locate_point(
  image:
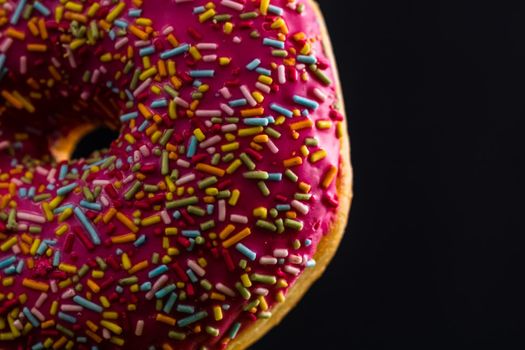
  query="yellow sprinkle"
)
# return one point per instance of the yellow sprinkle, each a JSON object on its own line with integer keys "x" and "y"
{"x": 230, "y": 147}
{"x": 318, "y": 155}
{"x": 9, "y": 243}
{"x": 237, "y": 238}
{"x": 265, "y": 79}
{"x": 166, "y": 319}
{"x": 110, "y": 315}
{"x": 324, "y": 124}
{"x": 252, "y": 112}
{"x": 329, "y": 177}
{"x": 194, "y": 52}
{"x": 152, "y": 220}
{"x": 35, "y": 285}
{"x": 93, "y": 286}
{"x": 245, "y": 279}
{"x": 250, "y": 131}
{"x": 113, "y": 14}
{"x": 203, "y": 17}
{"x": 217, "y": 313}
{"x": 64, "y": 215}
{"x": 127, "y": 222}
{"x": 224, "y": 61}
{"x": 227, "y": 28}
{"x": 210, "y": 169}
{"x": 226, "y": 231}
{"x": 138, "y": 267}
{"x": 234, "y": 197}
{"x": 61, "y": 230}
{"x": 148, "y": 73}
{"x": 67, "y": 268}
{"x": 292, "y": 162}
{"x": 113, "y": 327}
{"x": 234, "y": 166}
{"x": 127, "y": 238}
{"x": 264, "y": 6}
{"x": 126, "y": 262}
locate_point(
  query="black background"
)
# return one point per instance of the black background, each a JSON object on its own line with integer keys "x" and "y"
{"x": 433, "y": 256}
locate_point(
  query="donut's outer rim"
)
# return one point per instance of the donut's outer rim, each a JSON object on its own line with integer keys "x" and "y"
{"x": 328, "y": 245}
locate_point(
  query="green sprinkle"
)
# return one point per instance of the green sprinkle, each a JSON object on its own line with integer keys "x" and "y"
{"x": 256, "y": 175}
{"x": 196, "y": 210}
{"x": 266, "y": 225}
{"x": 264, "y": 189}
{"x": 182, "y": 202}
{"x": 266, "y": 279}
{"x": 294, "y": 224}
{"x": 133, "y": 190}
{"x": 247, "y": 161}
{"x": 245, "y": 293}
{"x": 207, "y": 182}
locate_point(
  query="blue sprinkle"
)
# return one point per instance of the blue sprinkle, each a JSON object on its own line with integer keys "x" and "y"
{"x": 134, "y": 12}
{"x": 146, "y": 51}
{"x": 187, "y": 309}
{"x": 275, "y": 177}
{"x": 202, "y": 73}
{"x": 2, "y": 61}
{"x": 253, "y": 64}
{"x": 20, "y": 266}
{"x": 165, "y": 291}
{"x": 140, "y": 241}
{"x": 199, "y": 9}
{"x": 238, "y": 103}
{"x": 160, "y": 103}
{"x": 87, "y": 225}
{"x": 234, "y": 330}
{"x": 66, "y": 317}
{"x": 191, "y": 233}
{"x": 158, "y": 271}
{"x": 256, "y": 121}
{"x": 192, "y": 276}
{"x": 38, "y": 346}
{"x": 244, "y": 250}
{"x": 87, "y": 304}
{"x": 56, "y": 258}
{"x": 264, "y": 71}
{"x": 121, "y": 23}
{"x": 283, "y": 207}
{"x": 169, "y": 304}
{"x": 286, "y": 112}
{"x": 192, "y": 319}
{"x": 41, "y": 8}
{"x": 305, "y": 102}
{"x": 31, "y": 318}
{"x": 144, "y": 287}
{"x": 209, "y": 209}
{"x": 307, "y": 59}
{"x": 63, "y": 172}
{"x": 18, "y": 11}
{"x": 176, "y": 51}
{"x": 42, "y": 248}
{"x": 192, "y": 147}
{"x": 127, "y": 117}
{"x": 7, "y": 261}
{"x": 274, "y": 43}
{"x": 275, "y": 10}
{"x": 91, "y": 206}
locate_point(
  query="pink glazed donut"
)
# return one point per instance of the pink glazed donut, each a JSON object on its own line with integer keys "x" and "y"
{"x": 221, "y": 201}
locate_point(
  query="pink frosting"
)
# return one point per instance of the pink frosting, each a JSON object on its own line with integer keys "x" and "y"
{"x": 142, "y": 245}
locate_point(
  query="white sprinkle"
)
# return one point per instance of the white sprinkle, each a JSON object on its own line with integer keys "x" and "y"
{"x": 268, "y": 260}
{"x": 227, "y": 109}
{"x": 248, "y": 96}
{"x": 300, "y": 207}
{"x": 264, "y": 88}
{"x": 232, "y": 4}
{"x": 261, "y": 291}
{"x": 209, "y": 58}
{"x": 208, "y": 113}
{"x": 292, "y": 270}
{"x": 71, "y": 308}
{"x": 222, "y": 288}
{"x": 319, "y": 94}
{"x": 139, "y": 328}
{"x": 225, "y": 92}
{"x": 280, "y": 253}
{"x": 207, "y": 46}
{"x": 142, "y": 87}
{"x": 281, "y": 74}
{"x": 295, "y": 259}
{"x": 41, "y": 300}
{"x": 167, "y": 30}
{"x": 185, "y": 179}
{"x": 30, "y": 217}
{"x": 229, "y": 127}
{"x": 241, "y": 219}
{"x": 222, "y": 210}
{"x": 196, "y": 268}
{"x": 95, "y": 76}
{"x": 38, "y": 314}
{"x": 180, "y": 102}
{"x": 121, "y": 42}
{"x": 156, "y": 286}
{"x": 272, "y": 147}
{"x": 23, "y": 64}
{"x": 183, "y": 163}
{"x": 6, "y": 44}
{"x": 165, "y": 217}
{"x": 70, "y": 293}
{"x": 211, "y": 141}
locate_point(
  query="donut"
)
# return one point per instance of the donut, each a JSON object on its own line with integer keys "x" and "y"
{"x": 223, "y": 198}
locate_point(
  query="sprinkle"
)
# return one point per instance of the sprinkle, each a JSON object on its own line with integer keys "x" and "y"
{"x": 192, "y": 319}
{"x": 306, "y": 102}
{"x": 87, "y": 225}
{"x": 284, "y": 111}
{"x": 250, "y": 254}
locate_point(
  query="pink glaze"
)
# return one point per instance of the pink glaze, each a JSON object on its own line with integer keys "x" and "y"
{"x": 62, "y": 100}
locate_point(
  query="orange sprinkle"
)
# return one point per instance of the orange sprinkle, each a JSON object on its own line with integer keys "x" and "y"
{"x": 293, "y": 162}
{"x": 237, "y": 238}
{"x": 206, "y": 168}
{"x": 329, "y": 177}
{"x": 35, "y": 285}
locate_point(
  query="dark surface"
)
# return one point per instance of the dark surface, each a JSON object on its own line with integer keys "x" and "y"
{"x": 433, "y": 256}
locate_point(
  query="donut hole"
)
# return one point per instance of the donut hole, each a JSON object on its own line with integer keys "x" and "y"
{"x": 96, "y": 140}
